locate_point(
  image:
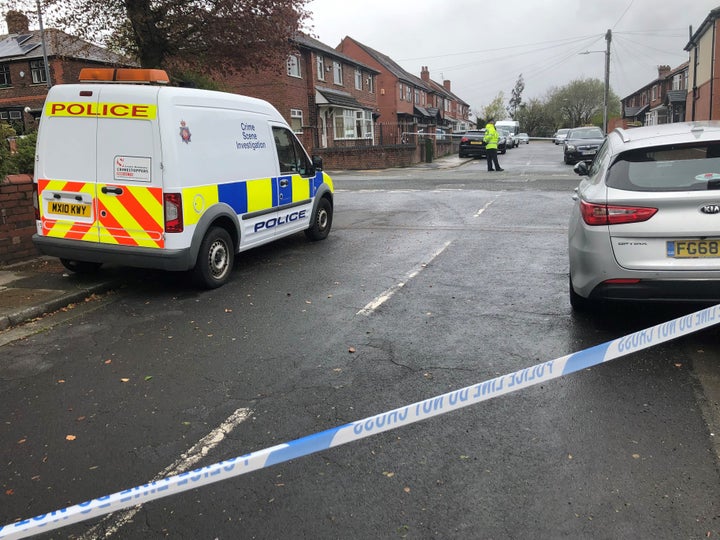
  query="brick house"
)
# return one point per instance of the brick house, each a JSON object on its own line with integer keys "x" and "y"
{"x": 327, "y": 97}
{"x": 23, "y": 77}
{"x": 456, "y": 112}
{"x": 703, "y": 98}
{"x": 661, "y": 101}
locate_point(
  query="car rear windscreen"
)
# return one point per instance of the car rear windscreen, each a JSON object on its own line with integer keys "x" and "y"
{"x": 693, "y": 167}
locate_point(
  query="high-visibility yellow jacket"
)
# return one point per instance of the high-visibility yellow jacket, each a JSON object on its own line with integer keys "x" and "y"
{"x": 491, "y": 137}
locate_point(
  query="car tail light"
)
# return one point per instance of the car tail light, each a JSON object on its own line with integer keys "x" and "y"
{"x": 173, "y": 213}
{"x": 604, "y": 214}
{"x": 464, "y": 139}
{"x": 622, "y": 281}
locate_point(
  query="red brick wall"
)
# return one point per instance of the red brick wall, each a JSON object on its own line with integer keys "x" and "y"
{"x": 371, "y": 157}
{"x": 17, "y": 219}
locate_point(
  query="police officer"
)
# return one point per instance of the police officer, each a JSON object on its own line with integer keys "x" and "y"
{"x": 491, "y": 139}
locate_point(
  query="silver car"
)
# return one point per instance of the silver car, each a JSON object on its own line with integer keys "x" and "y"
{"x": 646, "y": 221}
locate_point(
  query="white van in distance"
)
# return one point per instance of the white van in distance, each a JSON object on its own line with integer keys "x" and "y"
{"x": 170, "y": 178}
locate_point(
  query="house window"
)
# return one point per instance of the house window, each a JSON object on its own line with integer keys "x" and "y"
{"x": 653, "y": 95}
{"x": 371, "y": 84}
{"x": 293, "y": 66}
{"x": 296, "y": 120}
{"x": 417, "y": 96}
{"x": 353, "y": 124}
{"x": 37, "y": 70}
{"x": 358, "y": 79}
{"x": 408, "y": 94}
{"x": 337, "y": 73}
{"x": 320, "y": 62}
{"x": 4, "y": 75}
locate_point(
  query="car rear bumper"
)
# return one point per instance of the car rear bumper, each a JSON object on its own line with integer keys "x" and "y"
{"x": 660, "y": 291}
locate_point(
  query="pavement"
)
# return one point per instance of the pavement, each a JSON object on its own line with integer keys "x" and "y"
{"x": 39, "y": 286}
{"x": 33, "y": 288}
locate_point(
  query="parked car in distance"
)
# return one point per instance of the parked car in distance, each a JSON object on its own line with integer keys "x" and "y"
{"x": 560, "y": 135}
{"x": 510, "y": 137}
{"x": 645, "y": 225}
{"x": 581, "y": 144}
{"x": 523, "y": 138}
{"x": 473, "y": 145}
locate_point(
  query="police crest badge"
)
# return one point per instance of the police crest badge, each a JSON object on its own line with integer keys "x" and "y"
{"x": 185, "y": 132}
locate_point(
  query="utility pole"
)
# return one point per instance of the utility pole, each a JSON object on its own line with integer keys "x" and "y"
{"x": 608, "y": 38}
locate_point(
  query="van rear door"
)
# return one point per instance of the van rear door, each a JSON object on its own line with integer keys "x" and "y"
{"x": 129, "y": 173}
{"x": 65, "y": 170}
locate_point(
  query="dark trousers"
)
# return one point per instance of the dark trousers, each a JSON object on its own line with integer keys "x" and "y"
{"x": 492, "y": 159}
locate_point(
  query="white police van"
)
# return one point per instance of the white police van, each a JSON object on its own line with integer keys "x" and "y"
{"x": 170, "y": 178}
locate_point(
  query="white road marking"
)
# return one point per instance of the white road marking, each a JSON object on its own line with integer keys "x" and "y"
{"x": 386, "y": 295}
{"x": 112, "y": 523}
{"x": 479, "y": 212}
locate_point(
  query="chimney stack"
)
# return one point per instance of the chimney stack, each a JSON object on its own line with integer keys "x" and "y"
{"x": 17, "y": 22}
{"x": 425, "y": 74}
{"x": 446, "y": 84}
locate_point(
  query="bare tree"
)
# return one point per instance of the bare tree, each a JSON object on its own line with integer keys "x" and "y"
{"x": 516, "y": 97}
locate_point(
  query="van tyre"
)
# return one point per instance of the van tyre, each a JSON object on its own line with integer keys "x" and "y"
{"x": 215, "y": 259}
{"x": 81, "y": 267}
{"x": 321, "y": 221}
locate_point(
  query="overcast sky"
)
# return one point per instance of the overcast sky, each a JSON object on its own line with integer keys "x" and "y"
{"x": 482, "y": 51}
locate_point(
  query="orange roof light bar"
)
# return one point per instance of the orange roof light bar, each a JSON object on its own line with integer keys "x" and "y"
{"x": 127, "y": 75}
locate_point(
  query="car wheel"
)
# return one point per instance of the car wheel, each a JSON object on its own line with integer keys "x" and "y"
{"x": 321, "y": 221}
{"x": 215, "y": 259}
{"x": 577, "y": 302}
{"x": 81, "y": 267}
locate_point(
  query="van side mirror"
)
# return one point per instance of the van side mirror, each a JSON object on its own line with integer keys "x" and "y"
{"x": 317, "y": 163}
{"x": 581, "y": 168}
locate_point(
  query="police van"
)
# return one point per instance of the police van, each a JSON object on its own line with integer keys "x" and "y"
{"x": 171, "y": 178}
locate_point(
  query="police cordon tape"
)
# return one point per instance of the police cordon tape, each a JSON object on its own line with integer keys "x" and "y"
{"x": 373, "y": 425}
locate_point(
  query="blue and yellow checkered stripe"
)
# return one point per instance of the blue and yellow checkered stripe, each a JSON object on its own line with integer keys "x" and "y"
{"x": 250, "y": 195}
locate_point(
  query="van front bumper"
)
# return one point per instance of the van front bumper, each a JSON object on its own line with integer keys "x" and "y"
{"x": 77, "y": 250}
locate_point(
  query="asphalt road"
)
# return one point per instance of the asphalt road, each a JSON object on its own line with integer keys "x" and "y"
{"x": 431, "y": 280}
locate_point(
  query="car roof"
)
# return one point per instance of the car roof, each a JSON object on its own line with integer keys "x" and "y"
{"x": 663, "y": 134}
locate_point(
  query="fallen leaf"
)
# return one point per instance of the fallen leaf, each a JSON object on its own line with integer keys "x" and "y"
{"x": 337, "y": 370}
{"x": 678, "y": 365}
{"x": 22, "y": 441}
{"x": 70, "y": 437}
{"x": 636, "y": 456}
{"x": 406, "y": 489}
{"x": 228, "y": 310}
{"x": 351, "y": 350}
{"x": 148, "y": 377}
{"x": 124, "y": 380}
{"x": 388, "y": 474}
{"x": 80, "y": 418}
{"x": 60, "y": 381}
{"x": 570, "y": 456}
{"x": 108, "y": 362}
{"x": 9, "y": 492}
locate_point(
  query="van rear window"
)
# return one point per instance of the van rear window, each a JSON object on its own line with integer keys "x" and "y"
{"x": 667, "y": 168}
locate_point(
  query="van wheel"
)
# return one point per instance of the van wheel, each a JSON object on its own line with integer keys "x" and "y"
{"x": 215, "y": 259}
{"x": 321, "y": 221}
{"x": 81, "y": 267}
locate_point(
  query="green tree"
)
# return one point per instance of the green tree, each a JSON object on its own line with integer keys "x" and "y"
{"x": 536, "y": 119}
{"x": 581, "y": 102}
{"x": 203, "y": 36}
{"x": 495, "y": 110}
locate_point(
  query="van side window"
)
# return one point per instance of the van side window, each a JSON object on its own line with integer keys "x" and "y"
{"x": 291, "y": 156}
